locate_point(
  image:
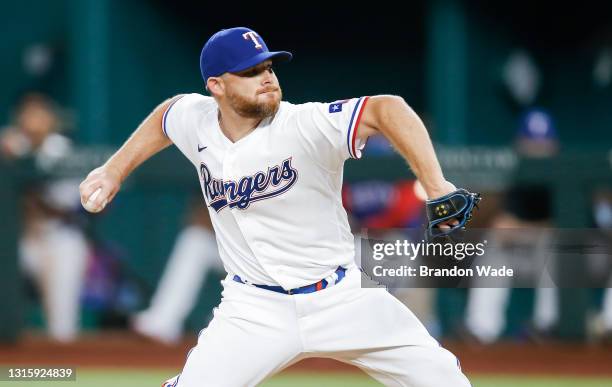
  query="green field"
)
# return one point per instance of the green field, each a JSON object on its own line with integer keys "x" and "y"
{"x": 148, "y": 378}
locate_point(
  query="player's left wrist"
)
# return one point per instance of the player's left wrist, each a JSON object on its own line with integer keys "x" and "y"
{"x": 443, "y": 188}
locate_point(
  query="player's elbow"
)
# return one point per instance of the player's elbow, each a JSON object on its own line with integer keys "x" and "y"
{"x": 384, "y": 107}
{"x": 388, "y": 99}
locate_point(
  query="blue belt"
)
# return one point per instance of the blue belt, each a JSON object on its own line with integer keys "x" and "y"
{"x": 340, "y": 271}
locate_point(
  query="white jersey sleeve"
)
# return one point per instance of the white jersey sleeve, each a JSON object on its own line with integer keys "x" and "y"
{"x": 329, "y": 130}
{"x": 180, "y": 120}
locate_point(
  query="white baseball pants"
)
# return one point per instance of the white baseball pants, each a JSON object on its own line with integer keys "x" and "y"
{"x": 256, "y": 333}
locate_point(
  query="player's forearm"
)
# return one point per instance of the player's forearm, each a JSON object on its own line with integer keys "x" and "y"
{"x": 147, "y": 140}
{"x": 102, "y": 184}
{"x": 405, "y": 130}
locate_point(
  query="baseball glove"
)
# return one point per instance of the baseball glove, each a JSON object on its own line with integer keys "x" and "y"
{"x": 457, "y": 205}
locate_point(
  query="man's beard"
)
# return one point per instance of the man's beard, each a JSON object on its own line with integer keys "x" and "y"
{"x": 250, "y": 109}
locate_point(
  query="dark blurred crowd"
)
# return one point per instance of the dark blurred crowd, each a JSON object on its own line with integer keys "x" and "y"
{"x": 53, "y": 249}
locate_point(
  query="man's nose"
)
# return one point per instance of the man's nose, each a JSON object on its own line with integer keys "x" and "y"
{"x": 267, "y": 77}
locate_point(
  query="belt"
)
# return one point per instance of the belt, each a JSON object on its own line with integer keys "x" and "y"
{"x": 335, "y": 278}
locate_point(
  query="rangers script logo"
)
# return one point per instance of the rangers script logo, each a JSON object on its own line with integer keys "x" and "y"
{"x": 240, "y": 194}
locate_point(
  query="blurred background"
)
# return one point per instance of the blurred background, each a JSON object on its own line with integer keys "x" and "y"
{"x": 517, "y": 97}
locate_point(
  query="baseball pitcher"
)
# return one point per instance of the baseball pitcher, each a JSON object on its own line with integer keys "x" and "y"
{"x": 271, "y": 177}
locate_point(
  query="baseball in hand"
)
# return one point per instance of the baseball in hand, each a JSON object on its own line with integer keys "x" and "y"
{"x": 91, "y": 205}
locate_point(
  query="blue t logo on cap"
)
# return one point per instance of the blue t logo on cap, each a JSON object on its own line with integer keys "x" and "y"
{"x": 234, "y": 50}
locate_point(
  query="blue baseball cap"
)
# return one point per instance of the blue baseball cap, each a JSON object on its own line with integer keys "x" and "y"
{"x": 234, "y": 50}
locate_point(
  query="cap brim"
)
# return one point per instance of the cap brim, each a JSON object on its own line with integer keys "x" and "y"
{"x": 276, "y": 56}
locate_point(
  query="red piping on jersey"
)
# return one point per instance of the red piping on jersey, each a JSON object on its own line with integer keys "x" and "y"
{"x": 365, "y": 100}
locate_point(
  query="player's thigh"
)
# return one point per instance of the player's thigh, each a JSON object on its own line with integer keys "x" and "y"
{"x": 414, "y": 366}
{"x": 386, "y": 340}
{"x": 241, "y": 347}
{"x": 362, "y": 319}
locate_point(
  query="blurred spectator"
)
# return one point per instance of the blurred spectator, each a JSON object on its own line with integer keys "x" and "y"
{"x": 602, "y": 60}
{"x": 34, "y": 130}
{"x": 382, "y": 204}
{"x": 602, "y": 69}
{"x": 537, "y": 136}
{"x": 521, "y": 77}
{"x": 52, "y": 250}
{"x": 391, "y": 206}
{"x": 194, "y": 254}
{"x": 602, "y": 213}
{"x": 527, "y": 208}
{"x": 378, "y": 146}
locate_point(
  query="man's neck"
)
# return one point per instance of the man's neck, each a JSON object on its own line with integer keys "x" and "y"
{"x": 235, "y": 126}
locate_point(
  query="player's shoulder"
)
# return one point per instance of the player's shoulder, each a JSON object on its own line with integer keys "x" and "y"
{"x": 196, "y": 101}
{"x": 296, "y": 107}
{"x": 185, "y": 110}
{"x": 305, "y": 111}
{"x": 299, "y": 109}
{"x": 320, "y": 105}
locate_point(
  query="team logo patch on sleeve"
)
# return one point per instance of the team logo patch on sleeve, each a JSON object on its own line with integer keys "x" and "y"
{"x": 337, "y": 106}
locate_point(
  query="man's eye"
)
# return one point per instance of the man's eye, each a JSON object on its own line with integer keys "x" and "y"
{"x": 252, "y": 73}
{"x": 255, "y": 72}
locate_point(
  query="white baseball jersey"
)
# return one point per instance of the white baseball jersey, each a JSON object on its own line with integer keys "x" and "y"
{"x": 274, "y": 196}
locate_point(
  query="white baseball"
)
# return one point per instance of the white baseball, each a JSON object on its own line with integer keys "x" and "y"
{"x": 91, "y": 205}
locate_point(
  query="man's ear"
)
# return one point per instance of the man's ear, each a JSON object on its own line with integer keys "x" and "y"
{"x": 215, "y": 86}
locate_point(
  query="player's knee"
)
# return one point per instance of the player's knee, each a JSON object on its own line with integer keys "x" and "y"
{"x": 449, "y": 370}
{"x": 171, "y": 382}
